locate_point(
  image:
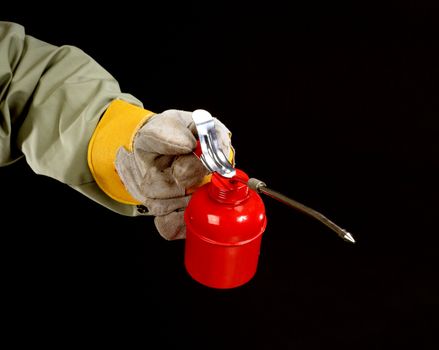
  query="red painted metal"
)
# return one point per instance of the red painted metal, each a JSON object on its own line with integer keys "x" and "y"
{"x": 225, "y": 221}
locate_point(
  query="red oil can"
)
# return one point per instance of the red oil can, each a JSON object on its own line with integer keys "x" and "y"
{"x": 225, "y": 221}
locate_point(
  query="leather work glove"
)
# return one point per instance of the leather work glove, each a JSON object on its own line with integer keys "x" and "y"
{"x": 162, "y": 167}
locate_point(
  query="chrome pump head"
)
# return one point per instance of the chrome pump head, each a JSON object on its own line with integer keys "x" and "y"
{"x": 212, "y": 156}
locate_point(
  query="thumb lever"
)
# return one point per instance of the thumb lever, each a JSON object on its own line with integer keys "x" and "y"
{"x": 212, "y": 156}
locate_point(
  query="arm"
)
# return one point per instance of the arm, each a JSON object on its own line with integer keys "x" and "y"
{"x": 68, "y": 117}
{"x": 51, "y": 100}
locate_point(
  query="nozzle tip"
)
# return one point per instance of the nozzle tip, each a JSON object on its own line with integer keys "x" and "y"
{"x": 348, "y": 237}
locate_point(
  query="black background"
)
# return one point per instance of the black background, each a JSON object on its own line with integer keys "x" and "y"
{"x": 335, "y": 106}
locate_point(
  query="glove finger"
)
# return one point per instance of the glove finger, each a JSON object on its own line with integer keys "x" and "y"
{"x": 160, "y": 207}
{"x": 171, "y": 226}
{"x": 129, "y": 173}
{"x": 157, "y": 179}
{"x": 188, "y": 170}
{"x": 146, "y": 161}
{"x": 160, "y": 185}
{"x": 147, "y": 180}
{"x": 167, "y": 133}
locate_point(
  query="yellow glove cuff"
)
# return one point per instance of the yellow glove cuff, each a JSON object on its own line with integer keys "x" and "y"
{"x": 117, "y": 127}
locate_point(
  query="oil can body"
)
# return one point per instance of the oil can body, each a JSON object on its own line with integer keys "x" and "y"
{"x": 225, "y": 222}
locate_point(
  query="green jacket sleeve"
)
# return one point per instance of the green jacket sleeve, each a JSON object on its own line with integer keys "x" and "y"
{"x": 51, "y": 99}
